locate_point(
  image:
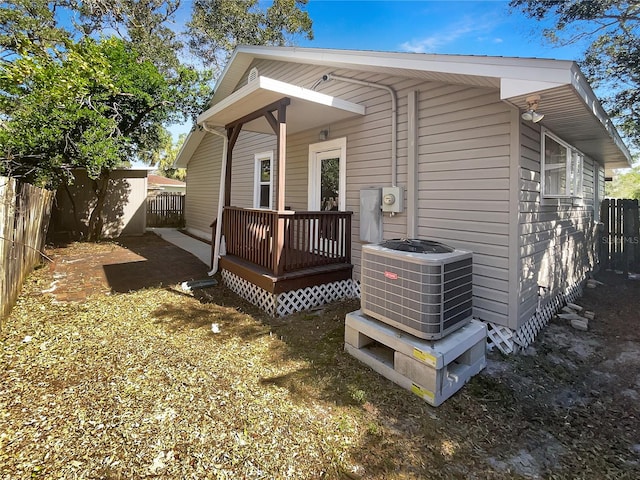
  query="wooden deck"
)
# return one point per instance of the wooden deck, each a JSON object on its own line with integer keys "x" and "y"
{"x": 264, "y": 279}
{"x": 283, "y": 251}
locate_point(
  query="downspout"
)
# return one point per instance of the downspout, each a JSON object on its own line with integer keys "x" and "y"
{"x": 394, "y": 116}
{"x": 216, "y": 245}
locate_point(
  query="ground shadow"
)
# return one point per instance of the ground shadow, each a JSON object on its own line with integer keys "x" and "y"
{"x": 157, "y": 263}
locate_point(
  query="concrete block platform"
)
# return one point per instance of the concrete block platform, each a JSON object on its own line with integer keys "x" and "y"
{"x": 433, "y": 370}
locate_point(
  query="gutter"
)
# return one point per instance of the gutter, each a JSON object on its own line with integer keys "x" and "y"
{"x": 218, "y": 236}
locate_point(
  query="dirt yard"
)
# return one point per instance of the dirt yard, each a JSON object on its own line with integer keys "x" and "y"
{"x": 110, "y": 371}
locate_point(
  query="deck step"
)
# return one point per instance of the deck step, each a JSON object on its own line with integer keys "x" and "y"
{"x": 433, "y": 370}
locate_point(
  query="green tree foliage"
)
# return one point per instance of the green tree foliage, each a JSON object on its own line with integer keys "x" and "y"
{"x": 612, "y": 60}
{"x": 70, "y": 100}
{"x": 166, "y": 156}
{"x": 95, "y": 83}
{"x": 625, "y": 185}
{"x": 60, "y": 87}
{"x": 218, "y": 26}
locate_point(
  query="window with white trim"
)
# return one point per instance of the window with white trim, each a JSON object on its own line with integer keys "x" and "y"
{"x": 263, "y": 184}
{"x": 562, "y": 167}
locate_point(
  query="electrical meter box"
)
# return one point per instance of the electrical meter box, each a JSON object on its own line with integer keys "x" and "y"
{"x": 392, "y": 199}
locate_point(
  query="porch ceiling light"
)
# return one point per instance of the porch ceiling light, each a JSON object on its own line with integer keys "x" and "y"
{"x": 532, "y": 105}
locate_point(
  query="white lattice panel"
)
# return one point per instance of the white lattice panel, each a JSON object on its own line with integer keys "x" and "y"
{"x": 356, "y": 289}
{"x": 510, "y": 341}
{"x": 250, "y": 292}
{"x": 310, "y": 297}
{"x": 289, "y": 302}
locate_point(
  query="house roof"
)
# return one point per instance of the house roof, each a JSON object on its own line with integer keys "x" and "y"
{"x": 161, "y": 181}
{"x": 571, "y": 109}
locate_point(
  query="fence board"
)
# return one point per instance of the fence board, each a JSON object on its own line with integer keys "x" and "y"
{"x": 165, "y": 210}
{"x": 620, "y": 241}
{"x": 24, "y": 217}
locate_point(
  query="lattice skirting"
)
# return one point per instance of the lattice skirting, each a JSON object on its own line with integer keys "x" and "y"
{"x": 281, "y": 304}
{"x": 511, "y": 341}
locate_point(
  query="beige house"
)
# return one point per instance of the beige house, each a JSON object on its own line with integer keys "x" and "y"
{"x": 504, "y": 157}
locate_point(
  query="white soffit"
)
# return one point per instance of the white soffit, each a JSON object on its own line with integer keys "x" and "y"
{"x": 308, "y": 108}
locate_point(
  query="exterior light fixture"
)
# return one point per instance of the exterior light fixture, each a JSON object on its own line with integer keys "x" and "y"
{"x": 532, "y": 105}
{"x": 322, "y": 136}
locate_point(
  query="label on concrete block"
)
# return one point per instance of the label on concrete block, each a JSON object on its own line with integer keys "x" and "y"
{"x": 423, "y": 392}
{"x": 424, "y": 357}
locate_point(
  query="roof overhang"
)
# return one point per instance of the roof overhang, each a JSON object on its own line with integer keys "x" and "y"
{"x": 307, "y": 109}
{"x": 573, "y": 112}
{"x": 189, "y": 147}
{"x": 571, "y": 109}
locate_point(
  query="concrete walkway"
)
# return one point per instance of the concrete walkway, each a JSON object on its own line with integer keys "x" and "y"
{"x": 197, "y": 248}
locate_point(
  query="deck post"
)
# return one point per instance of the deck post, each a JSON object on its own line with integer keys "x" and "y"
{"x": 278, "y": 245}
{"x": 282, "y": 155}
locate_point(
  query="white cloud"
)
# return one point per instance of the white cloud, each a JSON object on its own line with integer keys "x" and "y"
{"x": 458, "y": 31}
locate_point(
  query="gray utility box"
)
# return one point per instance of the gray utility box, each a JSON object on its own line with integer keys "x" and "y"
{"x": 421, "y": 287}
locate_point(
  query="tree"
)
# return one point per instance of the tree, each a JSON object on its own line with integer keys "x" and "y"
{"x": 166, "y": 156}
{"x": 72, "y": 97}
{"x": 218, "y": 26}
{"x": 625, "y": 185}
{"x": 96, "y": 105}
{"x": 612, "y": 59}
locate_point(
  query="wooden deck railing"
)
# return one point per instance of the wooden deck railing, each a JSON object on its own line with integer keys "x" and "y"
{"x": 288, "y": 241}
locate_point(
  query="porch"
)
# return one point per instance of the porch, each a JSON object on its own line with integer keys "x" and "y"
{"x": 282, "y": 251}
{"x": 279, "y": 259}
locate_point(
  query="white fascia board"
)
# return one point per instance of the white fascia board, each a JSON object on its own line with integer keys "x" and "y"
{"x": 583, "y": 89}
{"x": 282, "y": 88}
{"x": 510, "y": 87}
{"x": 483, "y": 66}
{"x": 189, "y": 147}
{"x": 295, "y": 91}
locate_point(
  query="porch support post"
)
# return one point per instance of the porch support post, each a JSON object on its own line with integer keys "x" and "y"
{"x": 282, "y": 155}
{"x": 278, "y": 240}
{"x": 232, "y": 136}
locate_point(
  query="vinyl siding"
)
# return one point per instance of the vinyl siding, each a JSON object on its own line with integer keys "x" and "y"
{"x": 463, "y": 185}
{"x": 556, "y": 237}
{"x": 368, "y": 141}
{"x": 243, "y": 167}
{"x": 203, "y": 180}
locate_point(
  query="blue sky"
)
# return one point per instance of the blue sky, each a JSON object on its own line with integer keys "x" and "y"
{"x": 471, "y": 27}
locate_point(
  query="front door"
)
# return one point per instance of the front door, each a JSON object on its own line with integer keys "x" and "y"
{"x": 327, "y": 175}
{"x": 327, "y": 192}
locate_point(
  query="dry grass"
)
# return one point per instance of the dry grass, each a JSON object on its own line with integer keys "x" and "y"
{"x": 137, "y": 385}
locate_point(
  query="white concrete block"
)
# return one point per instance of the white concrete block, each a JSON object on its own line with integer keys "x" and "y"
{"x": 433, "y": 370}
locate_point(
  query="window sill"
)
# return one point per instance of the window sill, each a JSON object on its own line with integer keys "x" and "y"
{"x": 562, "y": 201}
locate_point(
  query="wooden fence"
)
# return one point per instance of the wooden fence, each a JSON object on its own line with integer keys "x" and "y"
{"x": 24, "y": 218}
{"x": 165, "y": 210}
{"x": 620, "y": 239}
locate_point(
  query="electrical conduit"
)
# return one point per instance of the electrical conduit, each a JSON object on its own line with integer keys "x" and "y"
{"x": 394, "y": 116}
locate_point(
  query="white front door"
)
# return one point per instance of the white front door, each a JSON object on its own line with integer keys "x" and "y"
{"x": 327, "y": 175}
{"x": 327, "y": 188}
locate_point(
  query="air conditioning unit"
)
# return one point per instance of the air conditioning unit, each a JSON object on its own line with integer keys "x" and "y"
{"x": 419, "y": 286}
